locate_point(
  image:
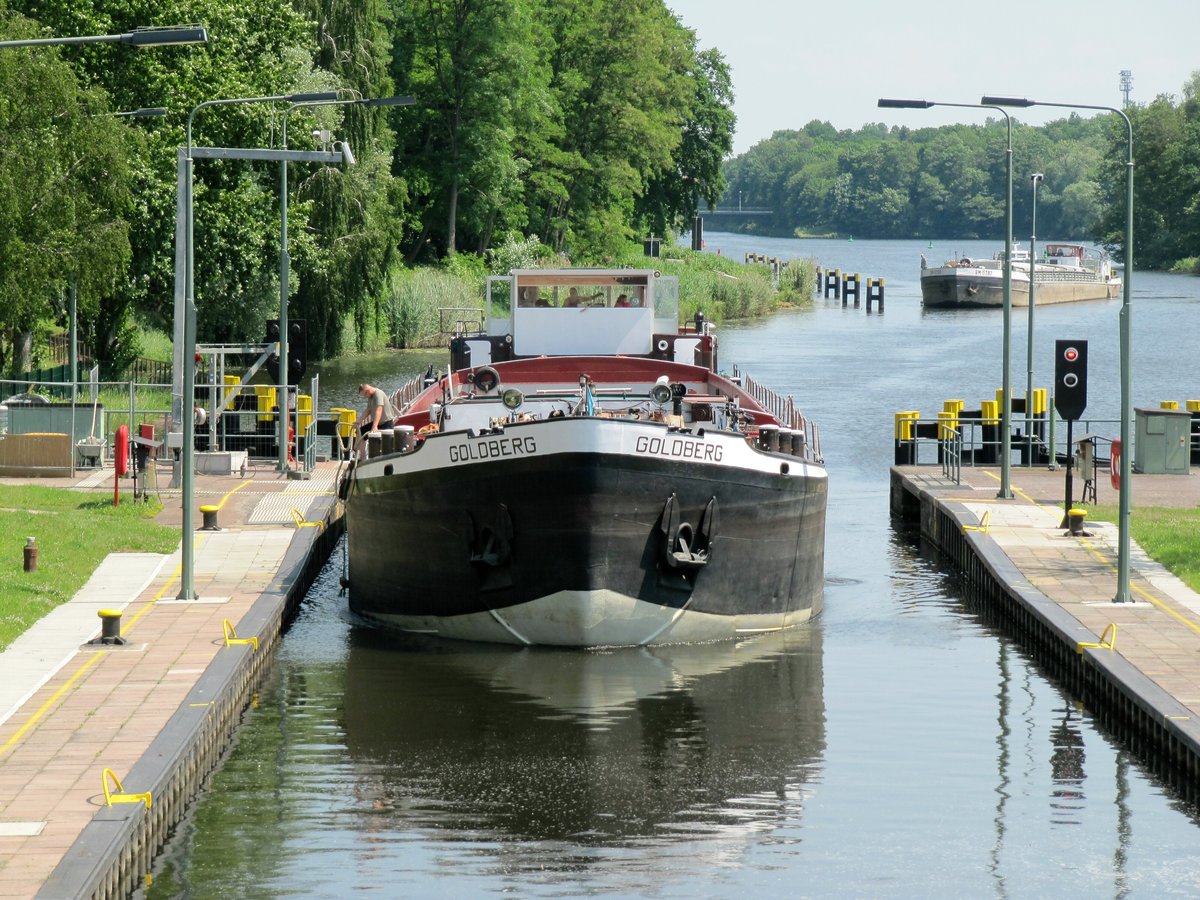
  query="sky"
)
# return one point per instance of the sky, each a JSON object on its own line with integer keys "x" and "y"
{"x": 831, "y": 60}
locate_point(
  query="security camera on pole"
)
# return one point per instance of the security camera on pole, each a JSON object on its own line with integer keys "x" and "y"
{"x": 1070, "y": 398}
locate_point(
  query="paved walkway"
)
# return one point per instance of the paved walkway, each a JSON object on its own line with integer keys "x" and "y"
{"x": 69, "y": 709}
{"x": 1158, "y": 633}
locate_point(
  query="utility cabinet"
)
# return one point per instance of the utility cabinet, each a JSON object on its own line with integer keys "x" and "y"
{"x": 1161, "y": 445}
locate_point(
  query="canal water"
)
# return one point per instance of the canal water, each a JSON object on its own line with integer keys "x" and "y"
{"x": 896, "y": 747}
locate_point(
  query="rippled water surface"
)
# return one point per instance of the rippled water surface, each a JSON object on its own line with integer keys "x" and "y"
{"x": 897, "y": 747}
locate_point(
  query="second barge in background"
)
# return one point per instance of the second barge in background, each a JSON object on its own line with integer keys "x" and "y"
{"x": 583, "y": 476}
{"x": 1065, "y": 274}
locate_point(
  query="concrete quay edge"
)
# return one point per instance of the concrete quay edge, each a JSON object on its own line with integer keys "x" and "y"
{"x": 1115, "y": 682}
{"x": 113, "y": 852}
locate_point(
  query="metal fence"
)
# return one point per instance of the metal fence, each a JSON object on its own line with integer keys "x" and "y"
{"x": 978, "y": 441}
{"x": 230, "y": 420}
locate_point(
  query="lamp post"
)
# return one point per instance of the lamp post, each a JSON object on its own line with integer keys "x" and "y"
{"x": 284, "y": 258}
{"x": 1125, "y": 329}
{"x": 1035, "y": 178}
{"x": 1005, "y": 492}
{"x": 187, "y": 349}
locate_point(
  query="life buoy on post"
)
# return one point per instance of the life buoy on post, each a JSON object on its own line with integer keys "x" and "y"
{"x": 120, "y": 461}
{"x": 121, "y": 451}
{"x": 1114, "y": 465}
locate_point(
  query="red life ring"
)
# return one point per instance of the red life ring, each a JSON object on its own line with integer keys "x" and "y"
{"x": 121, "y": 451}
{"x": 1114, "y": 465}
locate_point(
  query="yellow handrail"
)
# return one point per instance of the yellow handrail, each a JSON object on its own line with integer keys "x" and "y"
{"x": 1106, "y": 643}
{"x": 111, "y": 798}
{"x": 232, "y": 638}
{"x": 301, "y": 523}
{"x": 985, "y": 523}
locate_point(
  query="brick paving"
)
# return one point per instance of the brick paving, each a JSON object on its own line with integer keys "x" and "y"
{"x": 71, "y": 709}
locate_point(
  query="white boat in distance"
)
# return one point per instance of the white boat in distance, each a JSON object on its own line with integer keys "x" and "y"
{"x": 1065, "y": 274}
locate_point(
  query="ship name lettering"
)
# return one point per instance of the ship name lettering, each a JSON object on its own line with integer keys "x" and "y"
{"x": 679, "y": 448}
{"x": 492, "y": 448}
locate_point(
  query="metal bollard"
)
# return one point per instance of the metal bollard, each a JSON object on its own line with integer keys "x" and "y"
{"x": 110, "y": 627}
{"x": 30, "y": 554}
{"x": 1075, "y": 517}
{"x": 768, "y": 438}
{"x": 210, "y": 518}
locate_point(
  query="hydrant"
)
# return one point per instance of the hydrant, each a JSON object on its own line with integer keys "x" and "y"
{"x": 30, "y": 554}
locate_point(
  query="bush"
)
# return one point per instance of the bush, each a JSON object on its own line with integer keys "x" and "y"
{"x": 414, "y": 298}
{"x": 519, "y": 253}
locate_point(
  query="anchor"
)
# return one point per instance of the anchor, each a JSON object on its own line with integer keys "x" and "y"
{"x": 489, "y": 550}
{"x": 684, "y": 547}
{"x": 491, "y": 545}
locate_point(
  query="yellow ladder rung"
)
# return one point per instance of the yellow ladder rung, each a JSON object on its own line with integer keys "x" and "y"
{"x": 985, "y": 523}
{"x": 110, "y": 798}
{"x": 1106, "y": 642}
{"x": 301, "y": 523}
{"x": 232, "y": 638}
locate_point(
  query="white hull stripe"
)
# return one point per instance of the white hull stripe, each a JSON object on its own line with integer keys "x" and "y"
{"x": 641, "y": 440}
{"x": 599, "y": 618}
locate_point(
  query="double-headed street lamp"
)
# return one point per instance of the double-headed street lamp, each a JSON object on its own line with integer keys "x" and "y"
{"x": 185, "y": 310}
{"x": 1126, "y": 327}
{"x": 1006, "y": 374}
{"x": 284, "y": 258}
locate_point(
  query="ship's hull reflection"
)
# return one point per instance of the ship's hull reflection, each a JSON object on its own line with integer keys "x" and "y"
{"x": 541, "y": 744}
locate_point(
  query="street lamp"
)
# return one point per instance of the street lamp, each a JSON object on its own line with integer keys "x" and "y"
{"x": 1126, "y": 329}
{"x": 1005, "y": 492}
{"x": 145, "y": 112}
{"x": 187, "y": 349}
{"x": 1035, "y": 178}
{"x": 171, "y": 36}
{"x": 284, "y": 258}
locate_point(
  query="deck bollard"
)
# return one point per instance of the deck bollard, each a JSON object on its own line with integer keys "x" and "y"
{"x": 405, "y": 438}
{"x": 210, "y": 518}
{"x": 768, "y": 438}
{"x": 30, "y": 554}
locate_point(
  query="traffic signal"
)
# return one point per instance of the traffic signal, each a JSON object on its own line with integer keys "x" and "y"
{"x": 273, "y": 360}
{"x": 297, "y": 351}
{"x": 1070, "y": 378}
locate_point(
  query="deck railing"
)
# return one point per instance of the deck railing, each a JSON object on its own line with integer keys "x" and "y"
{"x": 784, "y": 409}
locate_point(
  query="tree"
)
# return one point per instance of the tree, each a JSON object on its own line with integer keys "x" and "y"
{"x": 620, "y": 85}
{"x": 468, "y": 60}
{"x": 354, "y": 219}
{"x": 672, "y": 197}
{"x": 64, "y": 178}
